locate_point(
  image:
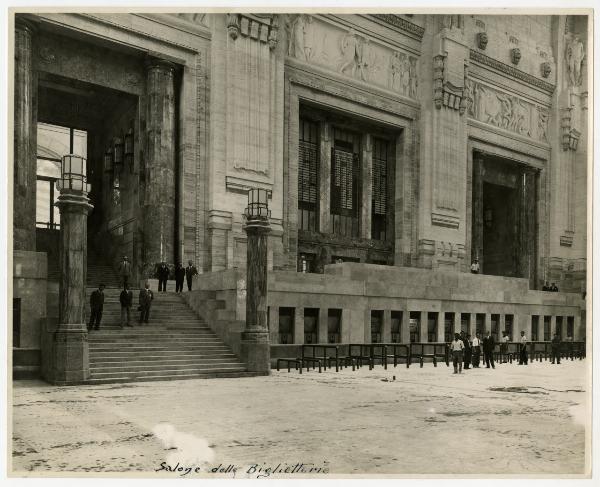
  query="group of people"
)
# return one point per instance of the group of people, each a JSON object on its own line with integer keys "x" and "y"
{"x": 145, "y": 296}
{"x": 181, "y": 273}
{"x": 468, "y": 352}
{"x": 553, "y": 288}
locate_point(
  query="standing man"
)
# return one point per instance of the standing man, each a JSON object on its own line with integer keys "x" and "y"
{"x": 476, "y": 350}
{"x": 523, "y": 359}
{"x": 488, "y": 350}
{"x": 145, "y": 300}
{"x": 125, "y": 271}
{"x": 190, "y": 272}
{"x": 96, "y": 306}
{"x": 163, "y": 277}
{"x": 556, "y": 348}
{"x": 467, "y": 351}
{"x": 179, "y": 276}
{"x": 126, "y": 300}
{"x": 504, "y": 346}
{"x": 456, "y": 347}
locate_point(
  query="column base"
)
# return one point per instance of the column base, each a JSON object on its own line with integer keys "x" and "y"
{"x": 71, "y": 360}
{"x": 256, "y": 352}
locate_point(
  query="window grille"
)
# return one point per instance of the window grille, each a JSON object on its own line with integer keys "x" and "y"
{"x": 308, "y": 170}
{"x": 379, "y": 190}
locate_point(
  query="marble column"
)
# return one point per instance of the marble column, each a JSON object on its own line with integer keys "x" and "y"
{"x": 255, "y": 346}
{"x": 159, "y": 200}
{"x": 325, "y": 179}
{"x": 367, "y": 187}
{"x": 477, "y": 216}
{"x": 25, "y": 138}
{"x": 71, "y": 349}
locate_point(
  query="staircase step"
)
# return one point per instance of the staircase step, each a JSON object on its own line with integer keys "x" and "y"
{"x": 176, "y": 358}
{"x": 206, "y": 375}
{"x": 173, "y": 372}
{"x": 97, "y": 368}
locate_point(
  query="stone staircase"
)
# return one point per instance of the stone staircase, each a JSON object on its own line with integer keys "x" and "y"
{"x": 100, "y": 272}
{"x": 176, "y": 344}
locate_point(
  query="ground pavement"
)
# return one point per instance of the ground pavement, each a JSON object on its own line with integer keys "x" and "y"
{"x": 511, "y": 420}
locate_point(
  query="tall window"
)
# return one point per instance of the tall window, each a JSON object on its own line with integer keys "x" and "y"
{"x": 53, "y": 141}
{"x": 379, "y": 190}
{"x": 308, "y": 170}
{"x": 345, "y": 175}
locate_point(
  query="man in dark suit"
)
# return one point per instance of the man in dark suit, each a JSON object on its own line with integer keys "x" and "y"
{"x": 190, "y": 272}
{"x": 126, "y": 300}
{"x": 556, "y": 349}
{"x": 488, "y": 350}
{"x": 145, "y": 301}
{"x": 96, "y": 306}
{"x": 179, "y": 277}
{"x": 163, "y": 277}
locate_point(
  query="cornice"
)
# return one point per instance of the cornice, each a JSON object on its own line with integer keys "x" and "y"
{"x": 511, "y": 71}
{"x": 401, "y": 23}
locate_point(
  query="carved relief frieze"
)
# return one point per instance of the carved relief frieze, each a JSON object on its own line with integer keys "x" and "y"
{"x": 195, "y": 18}
{"x": 507, "y": 111}
{"x": 352, "y": 54}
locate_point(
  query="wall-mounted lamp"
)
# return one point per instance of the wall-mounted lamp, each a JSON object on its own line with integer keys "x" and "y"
{"x": 108, "y": 161}
{"x": 118, "y": 152}
{"x": 129, "y": 149}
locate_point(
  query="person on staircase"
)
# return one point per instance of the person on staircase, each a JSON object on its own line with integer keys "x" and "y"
{"x": 163, "y": 277}
{"x": 126, "y": 300}
{"x": 125, "y": 271}
{"x": 96, "y": 307}
{"x": 190, "y": 272}
{"x": 145, "y": 301}
{"x": 179, "y": 277}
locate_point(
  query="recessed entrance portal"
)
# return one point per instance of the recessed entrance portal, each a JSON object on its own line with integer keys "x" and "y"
{"x": 504, "y": 223}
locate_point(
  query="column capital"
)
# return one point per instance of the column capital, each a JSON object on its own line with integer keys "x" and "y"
{"x": 25, "y": 24}
{"x": 152, "y": 62}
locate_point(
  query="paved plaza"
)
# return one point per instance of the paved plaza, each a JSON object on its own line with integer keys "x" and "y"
{"x": 511, "y": 420}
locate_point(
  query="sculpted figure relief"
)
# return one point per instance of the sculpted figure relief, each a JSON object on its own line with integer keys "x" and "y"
{"x": 300, "y": 38}
{"x": 542, "y": 124}
{"x": 357, "y": 60}
{"x": 403, "y": 74}
{"x": 499, "y": 109}
{"x": 414, "y": 81}
{"x": 452, "y": 21}
{"x": 575, "y": 55}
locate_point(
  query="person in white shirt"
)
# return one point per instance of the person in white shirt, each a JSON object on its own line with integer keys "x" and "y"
{"x": 475, "y": 267}
{"x": 476, "y": 350}
{"x": 504, "y": 346}
{"x": 457, "y": 347}
{"x": 523, "y": 354}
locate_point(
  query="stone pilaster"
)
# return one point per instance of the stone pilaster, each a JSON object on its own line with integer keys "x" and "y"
{"x": 323, "y": 325}
{"x": 299, "y": 326}
{"x": 405, "y": 327}
{"x": 386, "y": 326}
{"x": 457, "y": 319}
{"x": 423, "y": 326}
{"x": 71, "y": 349}
{"x": 440, "y": 326}
{"x": 25, "y": 138}
{"x": 159, "y": 200}
{"x": 274, "y": 324}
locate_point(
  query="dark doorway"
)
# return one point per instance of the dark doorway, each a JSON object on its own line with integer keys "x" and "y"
{"x": 504, "y": 222}
{"x": 500, "y": 219}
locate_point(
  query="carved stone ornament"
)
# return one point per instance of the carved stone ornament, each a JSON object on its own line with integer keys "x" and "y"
{"x": 403, "y": 74}
{"x": 132, "y": 79}
{"x": 546, "y": 69}
{"x": 570, "y": 136}
{"x": 233, "y": 25}
{"x": 482, "y": 40}
{"x": 444, "y": 92}
{"x": 47, "y": 55}
{"x": 515, "y": 55}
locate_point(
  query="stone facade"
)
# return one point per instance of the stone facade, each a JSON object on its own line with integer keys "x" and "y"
{"x": 216, "y": 105}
